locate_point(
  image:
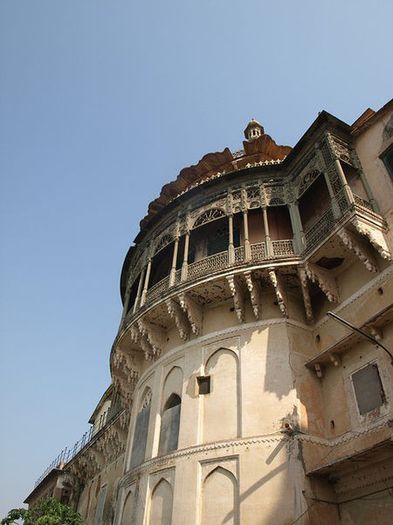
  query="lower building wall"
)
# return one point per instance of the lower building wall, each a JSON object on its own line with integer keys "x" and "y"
{"x": 374, "y": 509}
{"x": 256, "y": 481}
{"x": 98, "y": 497}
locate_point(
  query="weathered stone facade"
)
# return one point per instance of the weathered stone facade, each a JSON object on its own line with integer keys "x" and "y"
{"x": 239, "y": 400}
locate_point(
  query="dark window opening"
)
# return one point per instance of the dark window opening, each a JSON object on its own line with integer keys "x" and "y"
{"x": 368, "y": 389}
{"x": 314, "y": 202}
{"x": 133, "y": 293}
{"x": 161, "y": 265}
{"x": 203, "y": 385}
{"x": 170, "y": 423}
{"x": 387, "y": 159}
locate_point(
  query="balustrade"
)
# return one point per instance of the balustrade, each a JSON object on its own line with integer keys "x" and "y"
{"x": 283, "y": 248}
{"x": 218, "y": 261}
{"x": 258, "y": 252}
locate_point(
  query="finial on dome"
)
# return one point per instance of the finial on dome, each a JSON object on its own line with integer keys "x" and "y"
{"x": 253, "y": 130}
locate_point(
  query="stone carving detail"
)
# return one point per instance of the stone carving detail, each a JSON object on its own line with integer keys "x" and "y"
{"x": 163, "y": 242}
{"x": 208, "y": 216}
{"x": 255, "y": 293}
{"x": 238, "y": 296}
{"x": 176, "y": 312}
{"x": 306, "y": 180}
{"x": 341, "y": 149}
{"x": 325, "y": 281}
{"x": 276, "y": 281}
{"x": 274, "y": 194}
{"x": 306, "y": 294}
{"x": 375, "y": 237}
{"x": 193, "y": 311}
{"x": 359, "y": 248}
{"x": 154, "y": 335}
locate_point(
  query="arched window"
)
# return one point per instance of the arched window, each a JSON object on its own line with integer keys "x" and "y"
{"x": 170, "y": 423}
{"x": 141, "y": 430}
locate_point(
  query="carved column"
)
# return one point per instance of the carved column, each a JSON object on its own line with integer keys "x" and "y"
{"x": 364, "y": 180}
{"x": 138, "y": 293}
{"x": 247, "y": 248}
{"x": 231, "y": 247}
{"x": 174, "y": 259}
{"x": 340, "y": 172}
{"x": 147, "y": 277}
{"x": 184, "y": 268}
{"x": 268, "y": 242}
{"x": 297, "y": 227}
{"x": 335, "y": 206}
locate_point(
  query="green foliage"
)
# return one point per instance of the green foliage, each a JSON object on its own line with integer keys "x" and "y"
{"x": 46, "y": 512}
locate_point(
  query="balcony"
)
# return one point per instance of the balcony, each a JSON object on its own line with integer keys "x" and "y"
{"x": 269, "y": 253}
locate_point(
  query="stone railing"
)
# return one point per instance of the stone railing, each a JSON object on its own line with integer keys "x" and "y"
{"x": 258, "y": 252}
{"x": 359, "y": 201}
{"x": 283, "y": 248}
{"x": 239, "y": 255}
{"x": 156, "y": 290}
{"x": 319, "y": 230}
{"x": 218, "y": 261}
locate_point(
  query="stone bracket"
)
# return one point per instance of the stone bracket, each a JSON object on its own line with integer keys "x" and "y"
{"x": 193, "y": 311}
{"x": 153, "y": 334}
{"x": 375, "y": 237}
{"x": 325, "y": 281}
{"x": 306, "y": 294}
{"x": 277, "y": 283}
{"x": 180, "y": 318}
{"x": 255, "y": 293}
{"x": 356, "y": 245}
{"x": 238, "y": 296}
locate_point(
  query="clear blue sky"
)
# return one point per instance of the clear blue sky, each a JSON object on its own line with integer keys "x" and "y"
{"x": 101, "y": 103}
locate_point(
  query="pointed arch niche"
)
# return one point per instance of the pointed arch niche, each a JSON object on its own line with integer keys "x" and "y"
{"x": 170, "y": 411}
{"x": 219, "y": 498}
{"x": 127, "y": 516}
{"x": 221, "y": 410}
{"x": 161, "y": 504}
{"x": 141, "y": 429}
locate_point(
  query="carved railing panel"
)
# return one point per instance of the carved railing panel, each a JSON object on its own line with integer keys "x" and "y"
{"x": 218, "y": 261}
{"x": 362, "y": 202}
{"x": 283, "y": 248}
{"x": 322, "y": 227}
{"x": 155, "y": 291}
{"x": 258, "y": 252}
{"x": 239, "y": 255}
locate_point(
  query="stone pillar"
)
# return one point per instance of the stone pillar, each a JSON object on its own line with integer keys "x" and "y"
{"x": 231, "y": 246}
{"x": 174, "y": 260}
{"x": 146, "y": 285}
{"x": 344, "y": 182}
{"x": 335, "y": 206}
{"x": 297, "y": 228}
{"x": 268, "y": 242}
{"x": 184, "y": 268}
{"x": 247, "y": 248}
{"x": 364, "y": 180}
{"x": 138, "y": 293}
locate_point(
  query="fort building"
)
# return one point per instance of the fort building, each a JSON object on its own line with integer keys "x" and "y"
{"x": 235, "y": 398}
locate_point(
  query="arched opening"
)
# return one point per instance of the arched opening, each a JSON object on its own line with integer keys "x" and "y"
{"x": 170, "y": 424}
{"x": 141, "y": 430}
{"x": 161, "y": 265}
{"x": 161, "y": 504}
{"x": 219, "y": 498}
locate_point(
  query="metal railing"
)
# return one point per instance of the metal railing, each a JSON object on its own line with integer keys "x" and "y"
{"x": 67, "y": 454}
